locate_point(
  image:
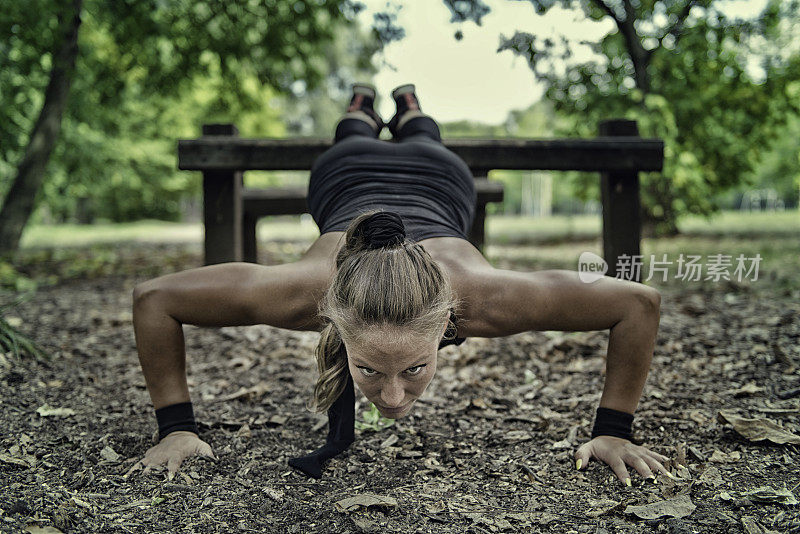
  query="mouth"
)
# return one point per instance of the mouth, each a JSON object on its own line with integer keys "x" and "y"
{"x": 395, "y": 411}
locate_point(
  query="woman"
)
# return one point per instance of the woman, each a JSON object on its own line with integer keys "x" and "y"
{"x": 387, "y": 288}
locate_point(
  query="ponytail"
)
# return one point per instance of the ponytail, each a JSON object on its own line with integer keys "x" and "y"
{"x": 332, "y": 366}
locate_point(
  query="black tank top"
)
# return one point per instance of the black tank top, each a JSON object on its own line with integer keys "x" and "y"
{"x": 429, "y": 186}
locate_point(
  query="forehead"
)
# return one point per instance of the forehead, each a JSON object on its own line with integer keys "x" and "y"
{"x": 391, "y": 346}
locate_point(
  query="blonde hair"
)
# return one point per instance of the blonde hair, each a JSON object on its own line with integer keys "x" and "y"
{"x": 382, "y": 279}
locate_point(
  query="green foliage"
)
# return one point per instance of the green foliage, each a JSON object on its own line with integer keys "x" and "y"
{"x": 12, "y": 279}
{"x": 780, "y": 167}
{"x": 373, "y": 420}
{"x": 717, "y": 90}
{"x": 149, "y": 73}
{"x": 12, "y": 340}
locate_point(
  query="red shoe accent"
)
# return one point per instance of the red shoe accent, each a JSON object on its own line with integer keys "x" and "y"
{"x": 355, "y": 105}
{"x": 411, "y": 102}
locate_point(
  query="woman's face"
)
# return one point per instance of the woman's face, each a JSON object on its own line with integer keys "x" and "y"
{"x": 392, "y": 369}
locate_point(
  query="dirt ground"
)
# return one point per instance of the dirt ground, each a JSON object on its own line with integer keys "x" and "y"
{"x": 489, "y": 448}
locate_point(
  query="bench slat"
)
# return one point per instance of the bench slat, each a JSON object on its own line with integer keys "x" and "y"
{"x": 292, "y": 200}
{"x": 598, "y": 154}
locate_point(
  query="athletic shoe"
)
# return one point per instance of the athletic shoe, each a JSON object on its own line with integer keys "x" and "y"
{"x": 408, "y": 107}
{"x": 363, "y": 101}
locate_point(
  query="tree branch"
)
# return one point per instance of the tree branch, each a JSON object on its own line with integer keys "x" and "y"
{"x": 611, "y": 13}
{"x": 676, "y": 28}
{"x": 639, "y": 56}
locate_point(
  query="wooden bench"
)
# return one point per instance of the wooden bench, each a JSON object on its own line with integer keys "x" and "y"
{"x": 230, "y": 211}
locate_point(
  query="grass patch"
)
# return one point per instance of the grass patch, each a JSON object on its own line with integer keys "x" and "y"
{"x": 289, "y": 228}
{"x": 523, "y": 243}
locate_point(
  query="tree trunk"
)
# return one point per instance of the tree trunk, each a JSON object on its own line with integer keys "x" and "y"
{"x": 19, "y": 201}
{"x": 665, "y": 224}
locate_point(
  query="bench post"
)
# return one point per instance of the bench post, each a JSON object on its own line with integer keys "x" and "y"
{"x": 622, "y": 225}
{"x": 222, "y": 207}
{"x": 477, "y": 234}
{"x": 249, "y": 244}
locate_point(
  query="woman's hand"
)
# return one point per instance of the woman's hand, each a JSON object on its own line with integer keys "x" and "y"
{"x": 172, "y": 451}
{"x": 617, "y": 453}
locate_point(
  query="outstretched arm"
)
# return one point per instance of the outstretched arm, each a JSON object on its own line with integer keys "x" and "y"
{"x": 228, "y": 294}
{"x": 512, "y": 302}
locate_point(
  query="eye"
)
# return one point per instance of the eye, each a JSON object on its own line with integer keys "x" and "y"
{"x": 417, "y": 369}
{"x": 366, "y": 371}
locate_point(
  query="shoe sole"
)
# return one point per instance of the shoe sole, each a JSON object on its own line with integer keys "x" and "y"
{"x": 403, "y": 89}
{"x": 364, "y": 89}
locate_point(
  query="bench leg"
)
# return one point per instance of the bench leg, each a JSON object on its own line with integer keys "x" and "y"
{"x": 622, "y": 224}
{"x": 222, "y": 208}
{"x": 222, "y": 216}
{"x": 249, "y": 243}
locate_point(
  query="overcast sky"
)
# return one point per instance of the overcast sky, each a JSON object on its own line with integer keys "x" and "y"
{"x": 467, "y": 79}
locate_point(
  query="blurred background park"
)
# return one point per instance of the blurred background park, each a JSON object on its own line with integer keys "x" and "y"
{"x": 89, "y": 121}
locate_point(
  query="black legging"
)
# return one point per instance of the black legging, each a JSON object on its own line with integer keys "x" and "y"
{"x": 418, "y": 128}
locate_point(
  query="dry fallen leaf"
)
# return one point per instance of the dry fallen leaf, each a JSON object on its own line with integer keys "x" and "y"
{"x": 711, "y": 477}
{"x": 698, "y": 417}
{"x": 278, "y": 420}
{"x": 748, "y": 389}
{"x": 391, "y": 440}
{"x": 680, "y": 506}
{"x": 751, "y": 526}
{"x": 725, "y": 458}
{"x": 515, "y": 436}
{"x": 759, "y": 429}
{"x": 48, "y": 411}
{"x": 436, "y": 508}
{"x": 109, "y": 454}
{"x": 13, "y": 460}
{"x": 365, "y": 500}
{"x": 251, "y": 393}
{"x": 35, "y": 529}
{"x": 768, "y": 494}
{"x": 601, "y": 507}
{"x": 365, "y": 524}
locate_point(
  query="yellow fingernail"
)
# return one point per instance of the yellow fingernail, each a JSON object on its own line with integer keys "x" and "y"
{"x": 670, "y": 475}
{"x": 579, "y": 463}
{"x": 627, "y": 481}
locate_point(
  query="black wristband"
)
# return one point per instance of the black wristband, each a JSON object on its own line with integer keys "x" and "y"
{"x": 175, "y": 417}
{"x": 611, "y": 422}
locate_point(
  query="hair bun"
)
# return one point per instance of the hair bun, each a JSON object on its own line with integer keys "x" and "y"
{"x": 382, "y": 229}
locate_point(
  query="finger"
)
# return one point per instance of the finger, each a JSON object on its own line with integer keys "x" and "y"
{"x": 205, "y": 450}
{"x": 618, "y": 466}
{"x": 136, "y": 467}
{"x": 582, "y": 456}
{"x": 173, "y": 465}
{"x": 659, "y": 457}
{"x": 656, "y": 466}
{"x": 638, "y": 463}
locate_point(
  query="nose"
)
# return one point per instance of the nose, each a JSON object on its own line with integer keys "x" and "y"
{"x": 392, "y": 394}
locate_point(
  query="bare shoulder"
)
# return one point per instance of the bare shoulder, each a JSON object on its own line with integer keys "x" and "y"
{"x": 469, "y": 271}
{"x": 288, "y": 295}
